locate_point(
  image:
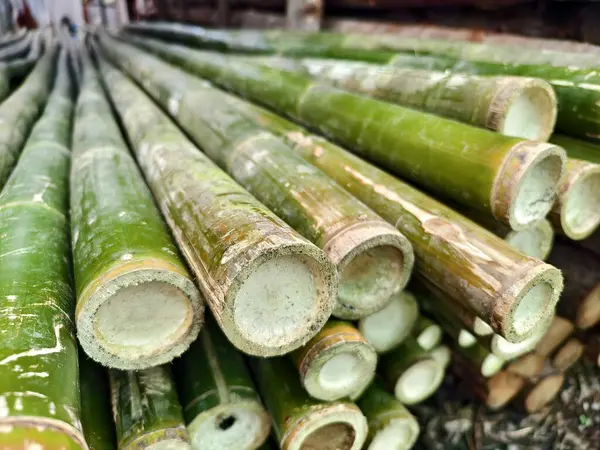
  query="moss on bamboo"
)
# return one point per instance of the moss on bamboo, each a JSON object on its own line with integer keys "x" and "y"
{"x": 39, "y": 388}
{"x": 221, "y": 407}
{"x": 146, "y": 410}
{"x": 239, "y": 250}
{"x": 137, "y": 306}
{"x": 300, "y": 422}
{"x": 509, "y": 178}
{"x": 337, "y": 363}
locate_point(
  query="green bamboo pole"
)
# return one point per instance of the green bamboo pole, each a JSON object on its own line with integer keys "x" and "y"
{"x": 39, "y": 388}
{"x": 137, "y": 306}
{"x": 270, "y": 289}
{"x": 337, "y": 363}
{"x": 19, "y": 111}
{"x": 514, "y": 106}
{"x": 96, "y": 415}
{"x": 221, "y": 407}
{"x": 373, "y": 259}
{"x": 448, "y": 248}
{"x": 411, "y": 372}
{"x": 300, "y": 422}
{"x": 387, "y": 328}
{"x": 146, "y": 410}
{"x": 510, "y": 179}
{"x": 391, "y": 425}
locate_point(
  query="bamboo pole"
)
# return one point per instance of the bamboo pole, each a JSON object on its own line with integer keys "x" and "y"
{"x": 96, "y": 415}
{"x": 337, "y": 363}
{"x": 19, "y": 111}
{"x": 221, "y": 407}
{"x": 560, "y": 329}
{"x": 535, "y": 396}
{"x": 146, "y": 410}
{"x": 39, "y": 388}
{"x": 529, "y": 366}
{"x": 499, "y": 390}
{"x": 391, "y": 425}
{"x": 270, "y": 289}
{"x": 480, "y": 359}
{"x": 510, "y": 179}
{"x": 300, "y": 422}
{"x": 136, "y": 304}
{"x": 568, "y": 355}
{"x": 411, "y": 372}
{"x": 580, "y": 300}
{"x": 373, "y": 259}
{"x": 387, "y": 328}
{"x": 514, "y": 106}
{"x": 427, "y": 333}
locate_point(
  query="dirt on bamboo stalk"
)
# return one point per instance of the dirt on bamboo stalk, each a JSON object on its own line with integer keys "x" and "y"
{"x": 39, "y": 382}
{"x": 220, "y": 404}
{"x": 239, "y": 250}
{"x": 301, "y": 422}
{"x": 137, "y": 306}
{"x": 373, "y": 259}
{"x": 510, "y": 179}
{"x": 146, "y": 411}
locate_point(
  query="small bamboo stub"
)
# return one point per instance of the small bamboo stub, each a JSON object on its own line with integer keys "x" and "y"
{"x": 543, "y": 392}
{"x": 568, "y": 355}
{"x": 502, "y": 388}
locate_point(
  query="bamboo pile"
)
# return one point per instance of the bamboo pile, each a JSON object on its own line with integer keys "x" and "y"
{"x": 211, "y": 250}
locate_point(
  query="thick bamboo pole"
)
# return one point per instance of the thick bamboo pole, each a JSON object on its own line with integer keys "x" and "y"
{"x": 514, "y": 106}
{"x": 39, "y": 382}
{"x": 270, "y": 289}
{"x": 221, "y": 407}
{"x": 373, "y": 259}
{"x": 137, "y": 306}
{"x": 580, "y": 300}
{"x": 337, "y": 363}
{"x": 19, "y": 111}
{"x": 511, "y": 179}
{"x": 146, "y": 410}
{"x": 427, "y": 333}
{"x": 387, "y": 328}
{"x": 300, "y": 422}
{"x": 391, "y": 425}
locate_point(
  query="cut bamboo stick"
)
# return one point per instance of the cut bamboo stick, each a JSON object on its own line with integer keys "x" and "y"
{"x": 221, "y": 407}
{"x": 411, "y": 372}
{"x": 514, "y": 106}
{"x": 373, "y": 259}
{"x": 386, "y": 329}
{"x": 439, "y": 238}
{"x": 19, "y": 111}
{"x": 580, "y": 300}
{"x": 96, "y": 415}
{"x": 146, "y": 410}
{"x": 560, "y": 329}
{"x": 270, "y": 289}
{"x": 391, "y": 425}
{"x": 137, "y": 306}
{"x": 568, "y": 355}
{"x": 39, "y": 387}
{"x": 427, "y": 333}
{"x": 301, "y": 422}
{"x": 511, "y": 179}
{"x": 483, "y": 362}
{"x": 442, "y": 354}
{"x": 337, "y": 363}
{"x": 499, "y": 390}
{"x": 535, "y": 396}
{"x": 529, "y": 366}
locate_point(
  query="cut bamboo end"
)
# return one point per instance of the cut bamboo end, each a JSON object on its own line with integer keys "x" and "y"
{"x": 335, "y": 426}
{"x": 239, "y": 424}
{"x": 419, "y": 381}
{"x": 528, "y": 302}
{"x": 502, "y": 388}
{"x": 175, "y": 438}
{"x": 529, "y": 366}
{"x": 508, "y": 350}
{"x": 387, "y": 328}
{"x": 430, "y": 337}
{"x": 397, "y": 434}
{"x": 525, "y": 188}
{"x": 374, "y": 260}
{"x": 535, "y": 241}
{"x": 588, "y": 313}
{"x": 442, "y": 354}
{"x": 576, "y": 212}
{"x": 29, "y": 432}
{"x": 523, "y": 107}
{"x": 481, "y": 328}
{"x": 338, "y": 362}
{"x": 139, "y": 315}
{"x": 279, "y": 300}
{"x": 568, "y": 355}
{"x": 560, "y": 329}
{"x": 466, "y": 339}
{"x": 543, "y": 392}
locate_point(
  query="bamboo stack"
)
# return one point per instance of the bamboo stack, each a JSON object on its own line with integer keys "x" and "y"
{"x": 339, "y": 295}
